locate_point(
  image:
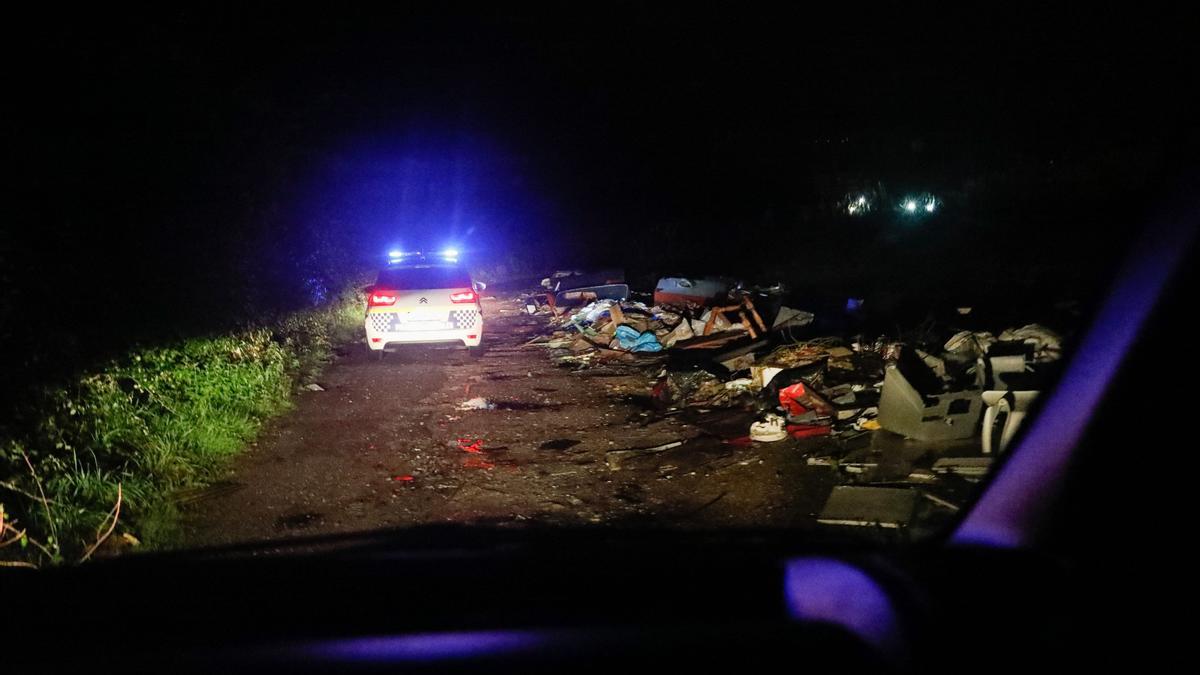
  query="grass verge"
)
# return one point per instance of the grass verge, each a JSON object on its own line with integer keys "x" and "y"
{"x": 148, "y": 424}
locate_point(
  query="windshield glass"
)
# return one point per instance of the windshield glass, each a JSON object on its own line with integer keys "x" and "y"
{"x": 812, "y": 275}
{"x": 423, "y": 277}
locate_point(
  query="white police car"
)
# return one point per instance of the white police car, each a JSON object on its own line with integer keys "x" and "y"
{"x": 419, "y": 302}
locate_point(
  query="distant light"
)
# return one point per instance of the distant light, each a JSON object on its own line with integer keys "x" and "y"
{"x": 450, "y": 253}
{"x": 862, "y": 201}
{"x": 858, "y": 205}
{"x": 910, "y": 206}
{"x": 930, "y": 206}
{"x": 395, "y": 253}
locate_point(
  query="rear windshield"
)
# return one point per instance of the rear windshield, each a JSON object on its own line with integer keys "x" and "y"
{"x": 424, "y": 277}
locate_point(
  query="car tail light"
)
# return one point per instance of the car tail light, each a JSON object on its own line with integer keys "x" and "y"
{"x": 464, "y": 296}
{"x": 381, "y": 298}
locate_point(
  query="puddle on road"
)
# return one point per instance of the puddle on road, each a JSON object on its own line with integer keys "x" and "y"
{"x": 524, "y": 406}
{"x": 297, "y": 521}
{"x": 500, "y": 377}
{"x": 631, "y": 493}
{"x": 559, "y": 444}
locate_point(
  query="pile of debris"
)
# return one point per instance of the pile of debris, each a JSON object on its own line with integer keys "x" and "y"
{"x": 715, "y": 344}
{"x": 595, "y": 316}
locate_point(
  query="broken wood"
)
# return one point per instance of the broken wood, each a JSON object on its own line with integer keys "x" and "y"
{"x": 617, "y": 315}
{"x": 754, "y": 312}
{"x": 746, "y": 322}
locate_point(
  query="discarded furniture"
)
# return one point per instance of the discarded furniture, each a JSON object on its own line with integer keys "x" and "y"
{"x": 1005, "y": 412}
{"x": 1011, "y": 384}
{"x": 586, "y": 294}
{"x": 681, "y": 291}
{"x": 927, "y": 415}
{"x": 742, "y": 307}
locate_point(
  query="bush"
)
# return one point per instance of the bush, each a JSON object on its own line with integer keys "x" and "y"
{"x": 153, "y": 421}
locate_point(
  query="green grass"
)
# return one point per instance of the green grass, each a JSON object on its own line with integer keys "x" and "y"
{"x": 157, "y": 420}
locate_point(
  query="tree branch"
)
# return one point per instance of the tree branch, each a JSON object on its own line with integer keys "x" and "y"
{"x": 14, "y": 488}
{"x": 45, "y": 502}
{"x": 116, "y": 514}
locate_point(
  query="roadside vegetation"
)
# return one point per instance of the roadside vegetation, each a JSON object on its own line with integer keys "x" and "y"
{"x": 97, "y": 463}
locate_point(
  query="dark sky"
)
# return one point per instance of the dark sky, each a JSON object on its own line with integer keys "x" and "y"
{"x": 216, "y": 156}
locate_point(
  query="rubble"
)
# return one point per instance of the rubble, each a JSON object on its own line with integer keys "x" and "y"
{"x": 709, "y": 345}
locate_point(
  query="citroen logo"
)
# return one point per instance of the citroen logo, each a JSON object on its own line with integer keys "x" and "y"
{"x": 423, "y": 301}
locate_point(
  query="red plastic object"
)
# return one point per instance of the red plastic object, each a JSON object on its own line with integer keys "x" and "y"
{"x": 807, "y": 430}
{"x": 797, "y": 400}
{"x": 472, "y": 446}
{"x": 790, "y": 396}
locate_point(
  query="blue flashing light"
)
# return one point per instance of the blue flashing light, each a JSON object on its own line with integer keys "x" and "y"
{"x": 450, "y": 253}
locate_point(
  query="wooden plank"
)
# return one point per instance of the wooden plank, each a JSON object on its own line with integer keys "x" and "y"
{"x": 754, "y": 312}
{"x": 746, "y": 322}
{"x": 618, "y": 316}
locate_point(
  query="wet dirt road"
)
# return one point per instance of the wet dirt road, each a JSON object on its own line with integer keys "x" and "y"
{"x": 386, "y": 445}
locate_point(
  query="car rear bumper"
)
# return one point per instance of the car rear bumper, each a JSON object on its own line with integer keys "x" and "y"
{"x": 384, "y": 340}
{"x": 470, "y": 335}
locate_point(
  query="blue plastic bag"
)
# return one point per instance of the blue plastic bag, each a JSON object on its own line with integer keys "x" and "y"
{"x": 633, "y": 341}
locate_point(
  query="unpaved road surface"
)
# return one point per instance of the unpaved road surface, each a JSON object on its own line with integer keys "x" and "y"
{"x": 383, "y": 447}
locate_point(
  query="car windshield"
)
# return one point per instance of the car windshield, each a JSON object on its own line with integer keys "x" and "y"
{"x": 734, "y": 269}
{"x": 423, "y": 277}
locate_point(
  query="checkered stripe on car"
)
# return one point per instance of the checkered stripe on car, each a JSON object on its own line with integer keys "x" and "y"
{"x": 382, "y": 322}
{"x": 465, "y": 318}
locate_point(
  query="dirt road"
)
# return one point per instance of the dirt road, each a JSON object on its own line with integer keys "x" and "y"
{"x": 386, "y": 445}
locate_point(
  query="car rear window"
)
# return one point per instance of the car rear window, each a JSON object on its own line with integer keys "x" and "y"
{"x": 424, "y": 277}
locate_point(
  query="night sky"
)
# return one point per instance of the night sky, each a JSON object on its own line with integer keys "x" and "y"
{"x": 182, "y": 169}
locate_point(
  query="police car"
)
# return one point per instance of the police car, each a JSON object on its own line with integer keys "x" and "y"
{"x": 423, "y": 300}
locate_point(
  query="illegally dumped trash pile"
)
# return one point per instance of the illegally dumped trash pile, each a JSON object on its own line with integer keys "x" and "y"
{"x": 714, "y": 314}
{"x": 714, "y": 344}
{"x": 714, "y": 350}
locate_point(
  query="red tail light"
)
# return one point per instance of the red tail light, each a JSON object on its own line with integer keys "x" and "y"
{"x": 464, "y": 296}
{"x": 381, "y": 298}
